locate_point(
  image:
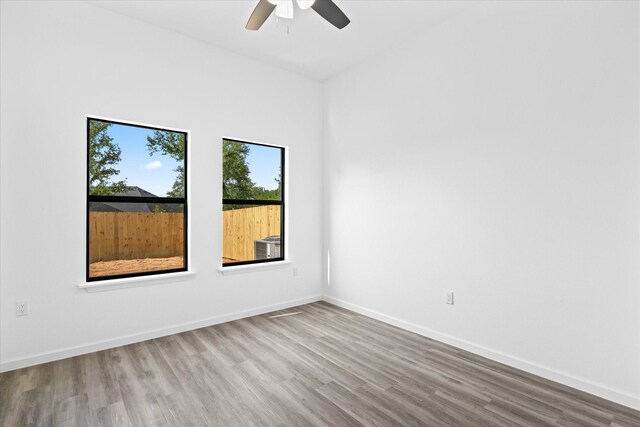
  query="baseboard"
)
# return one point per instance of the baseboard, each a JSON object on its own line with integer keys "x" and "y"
{"x": 582, "y": 384}
{"x": 525, "y": 365}
{"x": 64, "y": 353}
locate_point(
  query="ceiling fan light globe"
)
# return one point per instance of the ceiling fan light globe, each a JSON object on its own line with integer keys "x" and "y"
{"x": 305, "y": 4}
{"x": 284, "y": 9}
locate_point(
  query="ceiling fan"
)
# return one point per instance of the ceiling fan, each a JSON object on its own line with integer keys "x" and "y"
{"x": 284, "y": 9}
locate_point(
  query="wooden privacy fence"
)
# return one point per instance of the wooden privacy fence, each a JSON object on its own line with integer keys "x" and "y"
{"x": 241, "y": 227}
{"x": 139, "y": 235}
{"x": 135, "y": 235}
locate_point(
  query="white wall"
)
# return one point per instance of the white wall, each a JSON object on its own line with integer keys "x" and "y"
{"x": 498, "y": 156}
{"x": 65, "y": 60}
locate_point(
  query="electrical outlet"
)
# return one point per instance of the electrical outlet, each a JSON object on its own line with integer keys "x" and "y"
{"x": 22, "y": 308}
{"x": 449, "y": 297}
{"x": 295, "y": 271}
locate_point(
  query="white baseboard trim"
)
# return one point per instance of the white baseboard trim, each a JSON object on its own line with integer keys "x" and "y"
{"x": 10, "y": 365}
{"x": 582, "y": 384}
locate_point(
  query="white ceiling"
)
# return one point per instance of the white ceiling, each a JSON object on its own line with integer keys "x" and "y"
{"x": 307, "y": 45}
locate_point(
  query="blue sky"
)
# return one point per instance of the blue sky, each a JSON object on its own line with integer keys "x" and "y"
{"x": 153, "y": 173}
{"x": 156, "y": 173}
{"x": 264, "y": 165}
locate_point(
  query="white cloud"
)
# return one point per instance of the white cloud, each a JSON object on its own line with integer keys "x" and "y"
{"x": 153, "y": 165}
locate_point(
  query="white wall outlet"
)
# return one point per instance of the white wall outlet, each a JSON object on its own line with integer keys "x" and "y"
{"x": 22, "y": 308}
{"x": 295, "y": 271}
{"x": 449, "y": 297}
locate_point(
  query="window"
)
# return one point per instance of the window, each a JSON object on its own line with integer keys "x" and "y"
{"x": 252, "y": 203}
{"x": 136, "y": 200}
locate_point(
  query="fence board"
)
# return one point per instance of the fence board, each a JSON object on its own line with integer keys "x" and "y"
{"x": 241, "y": 227}
{"x": 134, "y": 235}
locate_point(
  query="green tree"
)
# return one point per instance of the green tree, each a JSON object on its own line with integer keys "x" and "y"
{"x": 236, "y": 183}
{"x": 172, "y": 144}
{"x": 103, "y": 155}
{"x": 261, "y": 193}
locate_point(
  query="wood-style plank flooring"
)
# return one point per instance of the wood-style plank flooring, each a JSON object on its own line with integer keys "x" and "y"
{"x": 323, "y": 366}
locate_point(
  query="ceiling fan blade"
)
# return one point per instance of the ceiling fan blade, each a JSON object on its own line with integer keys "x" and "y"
{"x": 263, "y": 10}
{"x": 331, "y": 12}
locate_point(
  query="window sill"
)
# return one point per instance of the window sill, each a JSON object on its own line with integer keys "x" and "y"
{"x": 134, "y": 282}
{"x": 250, "y": 268}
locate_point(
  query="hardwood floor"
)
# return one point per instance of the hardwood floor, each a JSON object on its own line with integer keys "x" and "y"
{"x": 322, "y": 366}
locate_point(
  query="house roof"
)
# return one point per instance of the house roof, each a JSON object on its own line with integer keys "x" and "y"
{"x": 133, "y": 191}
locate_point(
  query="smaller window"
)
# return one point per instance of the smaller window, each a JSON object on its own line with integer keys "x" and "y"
{"x": 252, "y": 203}
{"x": 136, "y": 200}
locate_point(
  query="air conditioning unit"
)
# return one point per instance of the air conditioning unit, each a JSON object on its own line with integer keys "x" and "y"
{"x": 266, "y": 248}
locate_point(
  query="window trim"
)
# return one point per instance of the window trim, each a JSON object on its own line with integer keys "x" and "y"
{"x": 134, "y": 199}
{"x": 136, "y": 282}
{"x": 253, "y": 202}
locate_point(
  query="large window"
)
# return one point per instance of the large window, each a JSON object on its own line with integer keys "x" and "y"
{"x": 252, "y": 203}
{"x": 136, "y": 200}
